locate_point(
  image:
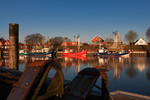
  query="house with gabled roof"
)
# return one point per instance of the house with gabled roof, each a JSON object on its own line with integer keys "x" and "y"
{"x": 141, "y": 41}
{"x": 6, "y": 44}
{"x": 96, "y": 40}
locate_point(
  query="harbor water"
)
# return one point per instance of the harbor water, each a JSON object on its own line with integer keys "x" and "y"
{"x": 125, "y": 74}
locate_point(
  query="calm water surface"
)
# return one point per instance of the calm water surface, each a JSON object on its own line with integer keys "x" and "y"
{"x": 125, "y": 74}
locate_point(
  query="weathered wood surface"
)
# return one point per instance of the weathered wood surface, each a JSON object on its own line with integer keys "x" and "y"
{"x": 7, "y": 79}
{"x": 27, "y": 80}
{"x": 123, "y": 95}
{"x": 82, "y": 84}
{"x": 9, "y": 76}
{"x": 13, "y": 45}
{"x": 79, "y": 87}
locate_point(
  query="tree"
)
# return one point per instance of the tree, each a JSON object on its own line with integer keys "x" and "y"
{"x": 85, "y": 44}
{"x": 131, "y": 36}
{"x": 2, "y": 39}
{"x": 34, "y": 38}
{"x": 109, "y": 40}
{"x": 148, "y": 34}
{"x": 57, "y": 41}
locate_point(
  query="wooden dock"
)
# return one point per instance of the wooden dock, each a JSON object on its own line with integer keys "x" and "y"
{"x": 122, "y": 95}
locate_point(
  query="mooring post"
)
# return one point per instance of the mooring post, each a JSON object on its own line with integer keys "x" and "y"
{"x": 13, "y": 46}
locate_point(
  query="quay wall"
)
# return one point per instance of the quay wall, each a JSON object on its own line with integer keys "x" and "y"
{"x": 89, "y": 53}
{"x": 132, "y": 54}
{"x": 139, "y": 54}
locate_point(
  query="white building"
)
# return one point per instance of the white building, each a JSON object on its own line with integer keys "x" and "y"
{"x": 141, "y": 41}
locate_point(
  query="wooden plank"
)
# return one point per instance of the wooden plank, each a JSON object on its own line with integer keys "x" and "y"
{"x": 26, "y": 81}
{"x": 81, "y": 86}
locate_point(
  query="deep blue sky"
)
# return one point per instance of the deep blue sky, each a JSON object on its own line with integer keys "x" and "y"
{"x": 67, "y": 18}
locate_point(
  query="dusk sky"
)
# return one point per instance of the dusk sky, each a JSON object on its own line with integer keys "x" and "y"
{"x": 67, "y": 18}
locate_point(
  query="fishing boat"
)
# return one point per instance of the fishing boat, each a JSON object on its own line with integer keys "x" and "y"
{"x": 48, "y": 53}
{"x": 68, "y": 53}
{"x": 104, "y": 53}
{"x": 117, "y": 54}
{"x": 41, "y": 52}
{"x": 76, "y": 57}
{"x": 23, "y": 52}
{"x": 115, "y": 50}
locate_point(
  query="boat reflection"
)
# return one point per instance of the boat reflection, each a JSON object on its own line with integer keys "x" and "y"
{"x": 115, "y": 64}
{"x": 4, "y": 62}
{"x": 84, "y": 58}
{"x": 23, "y": 60}
{"x": 130, "y": 66}
{"x": 73, "y": 61}
{"x": 141, "y": 64}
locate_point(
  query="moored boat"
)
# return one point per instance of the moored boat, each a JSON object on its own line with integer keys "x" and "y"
{"x": 23, "y": 52}
{"x": 49, "y": 53}
{"x": 104, "y": 53}
{"x": 82, "y": 53}
{"x": 76, "y": 57}
{"x": 117, "y": 54}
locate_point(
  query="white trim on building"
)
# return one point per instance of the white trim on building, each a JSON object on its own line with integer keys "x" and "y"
{"x": 141, "y": 42}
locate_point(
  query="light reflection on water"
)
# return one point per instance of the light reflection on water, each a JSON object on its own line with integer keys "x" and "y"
{"x": 125, "y": 74}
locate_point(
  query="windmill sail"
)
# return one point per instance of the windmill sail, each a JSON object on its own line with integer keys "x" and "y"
{"x": 117, "y": 45}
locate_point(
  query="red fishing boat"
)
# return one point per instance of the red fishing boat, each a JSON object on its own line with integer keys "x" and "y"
{"x": 70, "y": 52}
{"x": 82, "y": 53}
{"x": 76, "y": 57}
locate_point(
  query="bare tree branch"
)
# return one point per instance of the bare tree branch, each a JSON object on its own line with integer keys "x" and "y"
{"x": 148, "y": 34}
{"x": 131, "y": 36}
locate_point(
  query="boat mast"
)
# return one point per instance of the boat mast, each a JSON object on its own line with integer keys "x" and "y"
{"x": 25, "y": 42}
{"x": 78, "y": 38}
{"x": 65, "y": 44}
{"x": 48, "y": 41}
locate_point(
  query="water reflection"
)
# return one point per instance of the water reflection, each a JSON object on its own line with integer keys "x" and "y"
{"x": 26, "y": 60}
{"x": 4, "y": 62}
{"x": 131, "y": 66}
{"x": 140, "y": 64}
{"x": 75, "y": 62}
{"x": 148, "y": 73}
{"x": 122, "y": 71}
{"x": 117, "y": 65}
{"x": 131, "y": 70}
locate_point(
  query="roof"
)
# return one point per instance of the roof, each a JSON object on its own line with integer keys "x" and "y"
{"x": 96, "y": 39}
{"x": 74, "y": 43}
{"x": 6, "y": 43}
{"x": 141, "y": 41}
{"x": 3, "y": 42}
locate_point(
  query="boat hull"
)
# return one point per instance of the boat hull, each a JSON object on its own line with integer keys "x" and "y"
{"x": 112, "y": 54}
{"x": 75, "y": 54}
{"x": 50, "y": 53}
{"x": 23, "y": 53}
{"x": 76, "y": 57}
